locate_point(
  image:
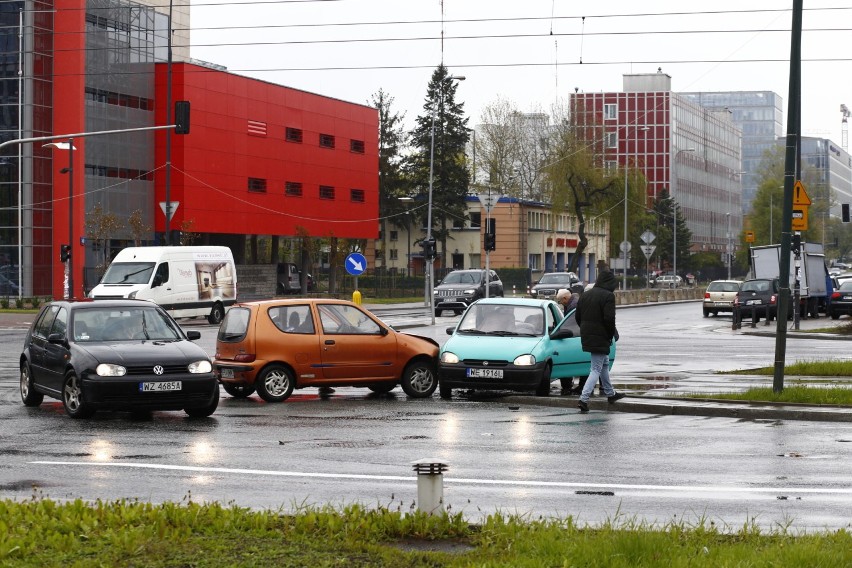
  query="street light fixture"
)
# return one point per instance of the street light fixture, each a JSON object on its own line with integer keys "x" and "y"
{"x": 674, "y": 209}
{"x": 431, "y": 263}
{"x": 625, "y": 244}
{"x": 69, "y": 265}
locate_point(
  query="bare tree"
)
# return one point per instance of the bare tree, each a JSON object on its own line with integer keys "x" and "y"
{"x": 139, "y": 229}
{"x": 101, "y": 226}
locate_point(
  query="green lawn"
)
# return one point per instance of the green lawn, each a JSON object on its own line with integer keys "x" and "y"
{"x": 44, "y": 533}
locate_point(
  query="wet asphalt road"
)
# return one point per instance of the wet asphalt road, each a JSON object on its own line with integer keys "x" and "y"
{"x": 531, "y": 460}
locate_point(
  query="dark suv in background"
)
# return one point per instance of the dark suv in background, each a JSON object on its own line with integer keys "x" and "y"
{"x": 460, "y": 288}
{"x": 759, "y": 295}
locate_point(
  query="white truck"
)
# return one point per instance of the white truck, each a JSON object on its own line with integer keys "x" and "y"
{"x": 188, "y": 281}
{"x": 813, "y": 275}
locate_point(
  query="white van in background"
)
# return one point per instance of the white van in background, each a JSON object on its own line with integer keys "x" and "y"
{"x": 189, "y": 282}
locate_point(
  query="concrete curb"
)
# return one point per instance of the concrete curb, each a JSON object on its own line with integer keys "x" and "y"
{"x": 712, "y": 408}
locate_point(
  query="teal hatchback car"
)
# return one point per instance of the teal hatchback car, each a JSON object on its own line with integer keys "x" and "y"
{"x": 516, "y": 344}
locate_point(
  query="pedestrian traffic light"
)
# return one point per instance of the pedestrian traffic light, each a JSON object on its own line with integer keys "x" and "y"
{"x": 490, "y": 241}
{"x": 428, "y": 249}
{"x": 64, "y": 253}
{"x": 796, "y": 245}
{"x": 181, "y": 117}
{"x": 844, "y": 212}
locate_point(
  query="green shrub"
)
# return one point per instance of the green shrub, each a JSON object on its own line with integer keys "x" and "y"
{"x": 4, "y": 303}
{"x": 19, "y": 303}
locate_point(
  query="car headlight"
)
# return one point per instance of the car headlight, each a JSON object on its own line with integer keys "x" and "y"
{"x": 524, "y": 360}
{"x": 110, "y": 370}
{"x": 203, "y": 366}
{"x": 470, "y": 292}
{"x": 533, "y": 293}
{"x": 449, "y": 357}
{"x": 132, "y": 295}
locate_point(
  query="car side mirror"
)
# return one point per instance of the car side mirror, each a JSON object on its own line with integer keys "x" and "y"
{"x": 451, "y": 330}
{"x": 193, "y": 334}
{"x": 562, "y": 333}
{"x": 57, "y": 338}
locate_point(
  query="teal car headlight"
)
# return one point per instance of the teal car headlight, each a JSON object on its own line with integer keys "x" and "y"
{"x": 202, "y": 366}
{"x": 110, "y": 370}
{"x": 449, "y": 357}
{"x": 524, "y": 360}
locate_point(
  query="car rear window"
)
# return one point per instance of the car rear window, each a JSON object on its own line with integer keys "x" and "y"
{"x": 235, "y": 324}
{"x": 723, "y": 287}
{"x": 757, "y": 286}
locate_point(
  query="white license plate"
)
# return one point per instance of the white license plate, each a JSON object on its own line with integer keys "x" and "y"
{"x": 226, "y": 373}
{"x": 159, "y": 387}
{"x": 753, "y": 302}
{"x": 846, "y": 298}
{"x": 485, "y": 373}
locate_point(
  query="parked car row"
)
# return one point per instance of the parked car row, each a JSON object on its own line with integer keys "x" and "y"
{"x": 131, "y": 354}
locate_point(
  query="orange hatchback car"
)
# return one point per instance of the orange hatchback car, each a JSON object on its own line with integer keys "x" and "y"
{"x": 275, "y": 346}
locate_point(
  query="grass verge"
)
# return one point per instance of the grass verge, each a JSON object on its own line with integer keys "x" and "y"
{"x": 45, "y": 533}
{"x": 791, "y": 394}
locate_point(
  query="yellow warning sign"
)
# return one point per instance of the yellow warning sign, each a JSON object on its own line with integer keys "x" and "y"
{"x": 800, "y": 196}
{"x": 800, "y": 218}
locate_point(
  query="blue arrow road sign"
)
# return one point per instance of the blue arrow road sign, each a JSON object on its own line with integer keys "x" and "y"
{"x": 356, "y": 263}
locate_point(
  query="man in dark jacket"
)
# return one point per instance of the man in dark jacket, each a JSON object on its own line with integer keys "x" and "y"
{"x": 596, "y": 317}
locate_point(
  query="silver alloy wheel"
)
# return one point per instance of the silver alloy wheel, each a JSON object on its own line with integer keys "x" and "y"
{"x": 419, "y": 379}
{"x": 25, "y": 382}
{"x": 72, "y": 393}
{"x": 277, "y": 382}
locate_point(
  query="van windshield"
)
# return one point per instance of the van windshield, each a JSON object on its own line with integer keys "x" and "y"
{"x": 128, "y": 273}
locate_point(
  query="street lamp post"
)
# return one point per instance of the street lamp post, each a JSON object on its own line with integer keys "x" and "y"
{"x": 69, "y": 265}
{"x": 674, "y": 210}
{"x": 624, "y": 244}
{"x": 431, "y": 263}
{"x": 408, "y": 200}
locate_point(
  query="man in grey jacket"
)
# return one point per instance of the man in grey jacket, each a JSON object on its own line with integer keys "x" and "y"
{"x": 596, "y": 317}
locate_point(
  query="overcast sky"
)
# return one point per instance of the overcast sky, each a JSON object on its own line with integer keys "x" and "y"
{"x": 533, "y": 52}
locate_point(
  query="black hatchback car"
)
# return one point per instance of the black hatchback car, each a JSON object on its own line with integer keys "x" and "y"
{"x": 461, "y": 288}
{"x": 118, "y": 355}
{"x": 759, "y": 295}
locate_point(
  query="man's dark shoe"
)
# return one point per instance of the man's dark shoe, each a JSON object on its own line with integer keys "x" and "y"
{"x": 616, "y": 396}
{"x": 582, "y": 406}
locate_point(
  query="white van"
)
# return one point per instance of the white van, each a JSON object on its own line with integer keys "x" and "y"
{"x": 187, "y": 281}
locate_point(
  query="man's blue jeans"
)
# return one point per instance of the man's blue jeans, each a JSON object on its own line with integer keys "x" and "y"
{"x": 599, "y": 369}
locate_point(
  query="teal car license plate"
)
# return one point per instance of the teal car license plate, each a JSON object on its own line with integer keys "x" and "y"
{"x": 485, "y": 373}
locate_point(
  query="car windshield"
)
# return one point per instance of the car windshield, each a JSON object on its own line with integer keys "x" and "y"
{"x": 756, "y": 286}
{"x": 128, "y": 273}
{"x": 846, "y": 286}
{"x": 723, "y": 287}
{"x": 555, "y": 278}
{"x": 502, "y": 319}
{"x": 124, "y": 324}
{"x": 462, "y": 278}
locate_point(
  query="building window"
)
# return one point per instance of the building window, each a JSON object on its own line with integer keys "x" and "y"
{"x": 326, "y": 141}
{"x": 394, "y": 254}
{"x": 293, "y": 189}
{"x": 535, "y": 262}
{"x": 257, "y": 185}
{"x": 256, "y": 128}
{"x": 356, "y": 195}
{"x": 611, "y": 139}
{"x": 326, "y": 192}
{"x": 611, "y": 166}
{"x": 293, "y": 135}
{"x": 356, "y": 146}
{"x": 610, "y": 112}
{"x": 475, "y": 220}
{"x": 394, "y": 235}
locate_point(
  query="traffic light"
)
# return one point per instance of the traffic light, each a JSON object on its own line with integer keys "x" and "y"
{"x": 64, "y": 253}
{"x": 181, "y": 117}
{"x": 844, "y": 212}
{"x": 796, "y": 245}
{"x": 428, "y": 248}
{"x": 490, "y": 241}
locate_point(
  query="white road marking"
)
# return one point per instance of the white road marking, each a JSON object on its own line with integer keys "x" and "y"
{"x": 451, "y": 480}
